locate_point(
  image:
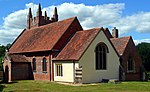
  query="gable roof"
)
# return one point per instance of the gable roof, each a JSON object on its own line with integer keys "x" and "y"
{"x": 78, "y": 44}
{"x": 107, "y": 33}
{"x": 41, "y": 38}
{"x": 120, "y": 43}
{"x": 17, "y": 58}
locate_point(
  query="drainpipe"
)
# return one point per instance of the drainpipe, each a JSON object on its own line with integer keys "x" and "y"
{"x": 51, "y": 61}
{"x": 73, "y": 70}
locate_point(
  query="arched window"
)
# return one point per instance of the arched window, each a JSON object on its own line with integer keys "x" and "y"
{"x": 44, "y": 66}
{"x": 101, "y": 56}
{"x": 130, "y": 65}
{"x": 34, "y": 64}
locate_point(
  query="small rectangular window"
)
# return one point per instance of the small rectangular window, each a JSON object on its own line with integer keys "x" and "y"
{"x": 59, "y": 70}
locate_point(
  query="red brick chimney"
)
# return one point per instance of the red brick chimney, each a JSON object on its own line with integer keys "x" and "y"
{"x": 115, "y": 32}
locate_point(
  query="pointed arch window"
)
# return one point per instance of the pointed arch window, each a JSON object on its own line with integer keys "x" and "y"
{"x": 130, "y": 65}
{"x": 34, "y": 64}
{"x": 44, "y": 65}
{"x": 101, "y": 56}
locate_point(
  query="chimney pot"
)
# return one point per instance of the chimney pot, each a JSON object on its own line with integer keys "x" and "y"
{"x": 115, "y": 32}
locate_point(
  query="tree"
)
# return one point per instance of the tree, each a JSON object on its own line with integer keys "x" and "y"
{"x": 144, "y": 51}
{"x": 2, "y": 53}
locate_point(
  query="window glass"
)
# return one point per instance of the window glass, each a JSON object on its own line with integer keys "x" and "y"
{"x": 44, "y": 64}
{"x": 34, "y": 64}
{"x": 101, "y": 56}
{"x": 59, "y": 70}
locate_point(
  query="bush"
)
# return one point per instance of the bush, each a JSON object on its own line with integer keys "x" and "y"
{"x": 148, "y": 75}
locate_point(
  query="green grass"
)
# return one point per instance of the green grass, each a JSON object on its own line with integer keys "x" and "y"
{"x": 42, "y": 86}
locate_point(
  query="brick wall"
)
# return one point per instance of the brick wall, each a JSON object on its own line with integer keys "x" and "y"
{"x": 39, "y": 74}
{"x": 132, "y": 52}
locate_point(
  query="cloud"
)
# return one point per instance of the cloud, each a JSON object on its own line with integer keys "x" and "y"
{"x": 106, "y": 15}
{"x": 13, "y": 24}
{"x": 141, "y": 40}
{"x": 138, "y": 22}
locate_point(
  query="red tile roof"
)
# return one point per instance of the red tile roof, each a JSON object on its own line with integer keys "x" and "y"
{"x": 120, "y": 43}
{"x": 18, "y": 58}
{"x": 41, "y": 38}
{"x": 78, "y": 44}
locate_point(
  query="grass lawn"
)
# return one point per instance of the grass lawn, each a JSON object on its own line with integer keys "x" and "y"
{"x": 43, "y": 86}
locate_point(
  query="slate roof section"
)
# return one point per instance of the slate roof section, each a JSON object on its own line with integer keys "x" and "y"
{"x": 18, "y": 58}
{"x": 41, "y": 38}
{"x": 120, "y": 43}
{"x": 78, "y": 44}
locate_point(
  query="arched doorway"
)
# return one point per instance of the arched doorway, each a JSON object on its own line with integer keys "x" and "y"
{"x": 6, "y": 74}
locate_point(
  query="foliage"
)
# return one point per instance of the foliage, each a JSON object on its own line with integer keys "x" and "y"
{"x": 148, "y": 75}
{"x": 2, "y": 53}
{"x": 44, "y": 86}
{"x": 144, "y": 51}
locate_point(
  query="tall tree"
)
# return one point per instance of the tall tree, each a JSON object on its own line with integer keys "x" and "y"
{"x": 144, "y": 51}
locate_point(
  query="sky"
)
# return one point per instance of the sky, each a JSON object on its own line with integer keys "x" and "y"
{"x": 130, "y": 17}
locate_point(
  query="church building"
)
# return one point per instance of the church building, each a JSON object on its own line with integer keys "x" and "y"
{"x": 53, "y": 50}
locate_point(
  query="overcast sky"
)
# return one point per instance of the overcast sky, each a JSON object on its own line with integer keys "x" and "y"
{"x": 131, "y": 17}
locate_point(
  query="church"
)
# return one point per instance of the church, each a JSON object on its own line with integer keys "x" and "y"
{"x": 62, "y": 51}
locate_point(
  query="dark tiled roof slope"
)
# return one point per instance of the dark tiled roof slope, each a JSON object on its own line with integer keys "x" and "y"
{"x": 120, "y": 43}
{"x": 41, "y": 38}
{"x": 78, "y": 44}
{"x": 18, "y": 58}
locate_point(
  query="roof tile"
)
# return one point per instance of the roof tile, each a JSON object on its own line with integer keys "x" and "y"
{"x": 78, "y": 44}
{"x": 120, "y": 43}
{"x": 41, "y": 38}
{"x": 18, "y": 58}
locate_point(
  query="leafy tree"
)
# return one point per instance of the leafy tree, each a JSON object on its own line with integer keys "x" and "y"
{"x": 144, "y": 51}
{"x": 2, "y": 53}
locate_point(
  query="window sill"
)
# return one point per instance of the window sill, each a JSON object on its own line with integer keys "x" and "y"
{"x": 44, "y": 71}
{"x": 132, "y": 71}
{"x": 34, "y": 70}
{"x": 101, "y": 69}
{"x": 59, "y": 76}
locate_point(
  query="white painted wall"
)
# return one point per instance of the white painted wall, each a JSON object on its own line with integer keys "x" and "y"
{"x": 68, "y": 71}
{"x": 87, "y": 61}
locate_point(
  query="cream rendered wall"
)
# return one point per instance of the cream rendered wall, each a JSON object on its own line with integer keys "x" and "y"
{"x": 87, "y": 61}
{"x": 68, "y": 71}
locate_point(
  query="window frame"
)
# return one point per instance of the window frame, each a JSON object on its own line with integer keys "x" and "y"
{"x": 34, "y": 64}
{"x": 59, "y": 70}
{"x": 131, "y": 67}
{"x": 101, "y": 51}
{"x": 44, "y": 64}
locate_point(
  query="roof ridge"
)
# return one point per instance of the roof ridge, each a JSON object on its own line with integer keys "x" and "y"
{"x": 126, "y": 44}
{"x": 122, "y": 37}
{"x": 52, "y": 23}
{"x": 33, "y": 36}
{"x": 89, "y": 30}
{"x": 120, "y": 43}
